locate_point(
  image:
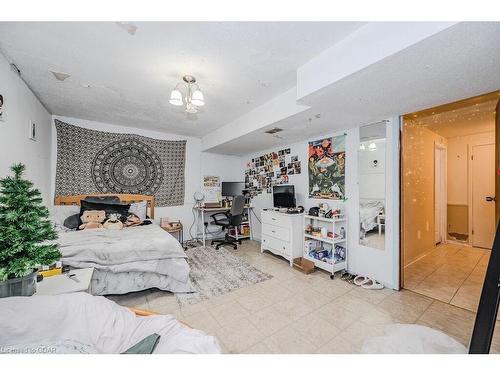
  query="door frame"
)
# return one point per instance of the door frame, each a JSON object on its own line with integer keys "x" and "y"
{"x": 428, "y": 111}
{"x": 441, "y": 190}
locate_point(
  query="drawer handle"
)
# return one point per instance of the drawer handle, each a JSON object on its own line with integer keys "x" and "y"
{"x": 273, "y": 231}
{"x": 273, "y": 219}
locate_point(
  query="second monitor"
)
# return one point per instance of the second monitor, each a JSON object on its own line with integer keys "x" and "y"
{"x": 232, "y": 189}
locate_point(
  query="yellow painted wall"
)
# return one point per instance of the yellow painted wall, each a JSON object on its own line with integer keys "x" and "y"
{"x": 418, "y": 190}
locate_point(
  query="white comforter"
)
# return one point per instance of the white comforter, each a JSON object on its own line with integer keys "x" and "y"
{"x": 81, "y": 323}
{"x": 368, "y": 212}
{"x": 128, "y": 260}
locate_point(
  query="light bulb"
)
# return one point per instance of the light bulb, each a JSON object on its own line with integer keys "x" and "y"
{"x": 197, "y": 98}
{"x": 176, "y": 98}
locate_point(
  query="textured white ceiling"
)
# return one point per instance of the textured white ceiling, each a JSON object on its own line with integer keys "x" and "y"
{"x": 470, "y": 119}
{"x": 238, "y": 66}
{"x": 457, "y": 63}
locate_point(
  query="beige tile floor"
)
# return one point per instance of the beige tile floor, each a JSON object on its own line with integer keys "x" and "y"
{"x": 296, "y": 313}
{"x": 450, "y": 273}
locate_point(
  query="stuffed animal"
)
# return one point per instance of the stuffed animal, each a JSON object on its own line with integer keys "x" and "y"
{"x": 132, "y": 220}
{"x": 92, "y": 219}
{"x": 113, "y": 222}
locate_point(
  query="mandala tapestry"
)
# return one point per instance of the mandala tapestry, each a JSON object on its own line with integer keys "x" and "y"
{"x": 90, "y": 161}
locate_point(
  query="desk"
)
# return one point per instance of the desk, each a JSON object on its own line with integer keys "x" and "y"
{"x": 200, "y": 219}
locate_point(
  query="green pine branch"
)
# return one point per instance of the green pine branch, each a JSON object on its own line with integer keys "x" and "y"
{"x": 24, "y": 227}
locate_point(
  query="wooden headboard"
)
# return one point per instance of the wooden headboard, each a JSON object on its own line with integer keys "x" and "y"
{"x": 68, "y": 200}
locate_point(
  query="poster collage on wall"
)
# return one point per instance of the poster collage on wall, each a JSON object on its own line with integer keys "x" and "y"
{"x": 325, "y": 165}
{"x": 268, "y": 170}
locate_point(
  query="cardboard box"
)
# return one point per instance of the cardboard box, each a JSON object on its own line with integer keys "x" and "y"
{"x": 304, "y": 265}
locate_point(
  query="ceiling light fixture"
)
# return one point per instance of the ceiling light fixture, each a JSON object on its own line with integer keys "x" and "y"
{"x": 60, "y": 76}
{"x": 192, "y": 98}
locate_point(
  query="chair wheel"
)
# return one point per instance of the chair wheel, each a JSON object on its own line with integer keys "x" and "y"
{"x": 239, "y": 242}
{"x": 332, "y": 277}
{"x": 235, "y": 247}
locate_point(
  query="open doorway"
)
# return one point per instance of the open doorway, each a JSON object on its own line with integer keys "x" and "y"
{"x": 448, "y": 199}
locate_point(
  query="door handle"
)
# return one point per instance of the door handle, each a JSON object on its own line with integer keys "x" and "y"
{"x": 491, "y": 199}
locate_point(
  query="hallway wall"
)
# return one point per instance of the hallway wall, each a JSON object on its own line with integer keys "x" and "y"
{"x": 418, "y": 195}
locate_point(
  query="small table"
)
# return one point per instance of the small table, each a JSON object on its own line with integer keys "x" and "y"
{"x": 61, "y": 284}
{"x": 380, "y": 223}
{"x": 176, "y": 228}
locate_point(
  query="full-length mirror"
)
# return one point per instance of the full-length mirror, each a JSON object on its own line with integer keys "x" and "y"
{"x": 371, "y": 157}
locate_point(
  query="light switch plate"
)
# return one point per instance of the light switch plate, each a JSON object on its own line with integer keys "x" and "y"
{"x": 33, "y": 129}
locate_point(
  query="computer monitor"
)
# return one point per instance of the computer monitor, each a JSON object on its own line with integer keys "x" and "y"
{"x": 232, "y": 189}
{"x": 284, "y": 196}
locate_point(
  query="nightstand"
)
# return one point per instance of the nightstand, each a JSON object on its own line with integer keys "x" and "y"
{"x": 176, "y": 227}
{"x": 61, "y": 284}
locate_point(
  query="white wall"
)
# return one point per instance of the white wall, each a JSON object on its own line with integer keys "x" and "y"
{"x": 371, "y": 178}
{"x": 20, "y": 107}
{"x": 197, "y": 164}
{"x": 228, "y": 168}
{"x": 383, "y": 265}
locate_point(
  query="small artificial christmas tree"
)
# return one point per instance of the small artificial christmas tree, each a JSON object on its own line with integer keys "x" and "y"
{"x": 24, "y": 226}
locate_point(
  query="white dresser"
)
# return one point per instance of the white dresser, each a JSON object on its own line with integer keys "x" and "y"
{"x": 282, "y": 234}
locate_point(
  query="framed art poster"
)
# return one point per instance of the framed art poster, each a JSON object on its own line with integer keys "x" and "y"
{"x": 326, "y": 167}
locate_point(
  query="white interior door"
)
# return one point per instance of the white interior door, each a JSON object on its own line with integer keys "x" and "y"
{"x": 483, "y": 192}
{"x": 439, "y": 194}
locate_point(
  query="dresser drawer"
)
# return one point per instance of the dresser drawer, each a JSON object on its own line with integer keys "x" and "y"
{"x": 273, "y": 218}
{"x": 279, "y": 233}
{"x": 278, "y": 246}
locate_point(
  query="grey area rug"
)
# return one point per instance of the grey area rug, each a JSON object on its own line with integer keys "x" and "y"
{"x": 217, "y": 272}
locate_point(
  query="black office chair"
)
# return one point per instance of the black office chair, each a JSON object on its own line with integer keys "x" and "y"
{"x": 228, "y": 220}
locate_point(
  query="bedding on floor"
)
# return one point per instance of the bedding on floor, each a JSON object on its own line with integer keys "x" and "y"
{"x": 81, "y": 323}
{"x": 132, "y": 259}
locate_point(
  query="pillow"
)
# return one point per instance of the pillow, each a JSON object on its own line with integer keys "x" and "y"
{"x": 58, "y": 214}
{"x": 140, "y": 209}
{"x": 103, "y": 199}
{"x": 73, "y": 221}
{"x": 110, "y": 208}
{"x": 146, "y": 346}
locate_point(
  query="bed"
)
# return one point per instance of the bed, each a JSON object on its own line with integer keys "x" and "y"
{"x": 79, "y": 323}
{"x": 129, "y": 260}
{"x": 369, "y": 210}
